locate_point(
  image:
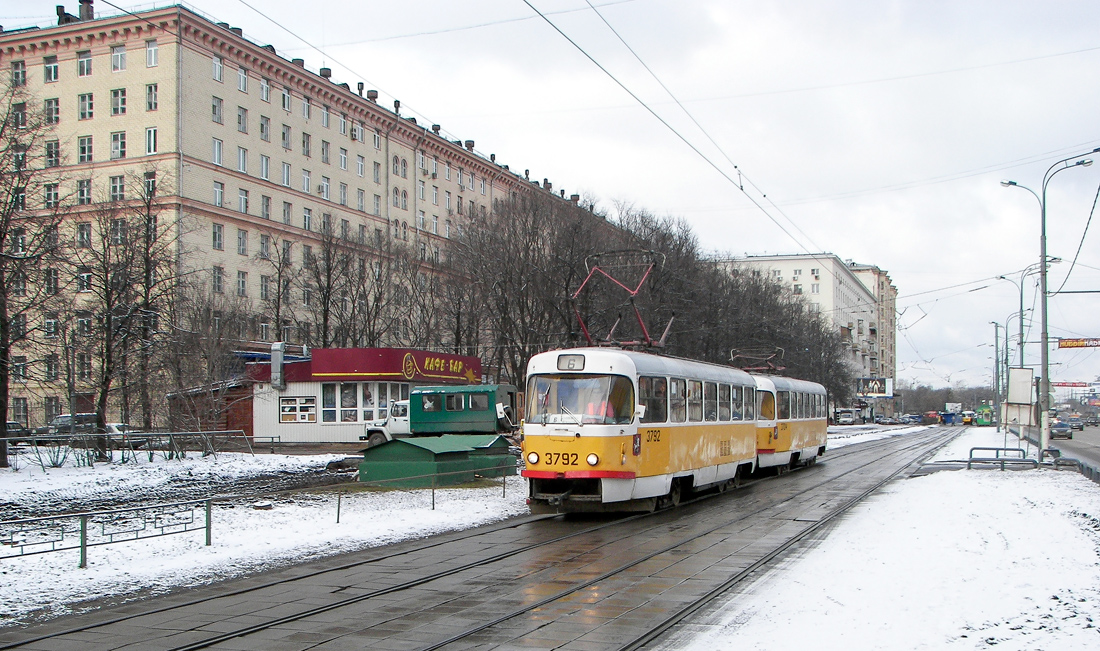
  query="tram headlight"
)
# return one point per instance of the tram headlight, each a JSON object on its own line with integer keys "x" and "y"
{"x": 532, "y": 458}
{"x": 593, "y": 459}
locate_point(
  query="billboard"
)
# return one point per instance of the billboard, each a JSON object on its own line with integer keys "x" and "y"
{"x": 1020, "y": 386}
{"x": 1091, "y": 342}
{"x": 875, "y": 387}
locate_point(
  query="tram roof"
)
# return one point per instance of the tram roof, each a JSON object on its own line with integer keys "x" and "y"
{"x": 651, "y": 364}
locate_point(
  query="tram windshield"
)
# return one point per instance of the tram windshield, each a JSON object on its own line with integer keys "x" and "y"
{"x": 580, "y": 399}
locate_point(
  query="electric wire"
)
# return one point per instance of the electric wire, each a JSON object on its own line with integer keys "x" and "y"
{"x": 1082, "y": 242}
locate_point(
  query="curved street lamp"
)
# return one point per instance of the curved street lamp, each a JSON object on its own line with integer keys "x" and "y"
{"x": 1044, "y": 381}
{"x": 1020, "y": 286}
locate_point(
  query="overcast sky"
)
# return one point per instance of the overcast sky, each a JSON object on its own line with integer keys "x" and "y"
{"x": 878, "y": 131}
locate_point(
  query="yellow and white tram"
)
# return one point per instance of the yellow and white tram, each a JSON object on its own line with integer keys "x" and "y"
{"x": 791, "y": 421}
{"x": 609, "y": 429}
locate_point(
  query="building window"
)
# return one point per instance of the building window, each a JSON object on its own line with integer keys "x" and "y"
{"x": 305, "y": 181}
{"x": 150, "y": 184}
{"x": 53, "y": 153}
{"x": 242, "y": 283}
{"x": 378, "y": 204}
{"x": 218, "y": 280}
{"x": 286, "y": 174}
{"x": 151, "y": 140}
{"x": 343, "y": 194}
{"x": 151, "y": 54}
{"x": 324, "y": 187}
{"x": 344, "y": 159}
{"x": 217, "y": 232}
{"x": 53, "y": 111}
{"x": 242, "y": 80}
{"x": 305, "y": 144}
{"x": 242, "y": 119}
{"x": 85, "y": 106}
{"x": 118, "y": 58}
{"x": 53, "y": 405}
{"x": 216, "y": 109}
{"x": 265, "y": 247}
{"x": 242, "y": 200}
{"x": 360, "y": 200}
{"x": 265, "y": 207}
{"x": 798, "y": 290}
{"x": 265, "y": 90}
{"x": 286, "y": 99}
{"x": 118, "y": 101}
{"x": 324, "y": 116}
{"x": 151, "y": 97}
{"x": 377, "y": 172}
{"x": 52, "y": 373}
{"x": 307, "y": 218}
{"x": 286, "y": 137}
{"x": 216, "y": 155}
{"x": 265, "y": 167}
{"x": 84, "y": 149}
{"x": 49, "y": 69}
{"x": 435, "y": 195}
{"x": 118, "y": 145}
{"x": 118, "y": 232}
{"x": 84, "y": 63}
{"x": 83, "y": 235}
{"x": 396, "y": 198}
{"x": 217, "y": 68}
{"x": 815, "y": 288}
{"x": 242, "y": 160}
{"x": 219, "y": 193}
{"x": 84, "y": 191}
{"x": 52, "y": 195}
{"x": 325, "y": 152}
{"x": 117, "y": 186}
{"x": 83, "y": 284}
{"x": 435, "y": 224}
{"x": 18, "y": 73}
{"x": 53, "y": 282}
{"x": 306, "y": 107}
{"x": 288, "y": 212}
{"x": 265, "y": 129}
{"x": 377, "y": 140}
{"x": 83, "y": 366}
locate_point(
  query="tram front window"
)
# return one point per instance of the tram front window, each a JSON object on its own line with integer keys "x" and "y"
{"x": 577, "y": 398}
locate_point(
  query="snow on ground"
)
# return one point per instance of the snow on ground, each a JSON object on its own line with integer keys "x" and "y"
{"x": 245, "y": 540}
{"x": 955, "y": 559}
{"x": 842, "y": 435}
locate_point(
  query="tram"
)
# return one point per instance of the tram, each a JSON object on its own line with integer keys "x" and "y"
{"x": 608, "y": 429}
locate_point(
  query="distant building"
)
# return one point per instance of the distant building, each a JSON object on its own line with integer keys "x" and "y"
{"x": 859, "y": 299}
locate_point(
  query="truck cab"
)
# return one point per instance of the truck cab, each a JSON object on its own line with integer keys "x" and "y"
{"x": 396, "y": 423}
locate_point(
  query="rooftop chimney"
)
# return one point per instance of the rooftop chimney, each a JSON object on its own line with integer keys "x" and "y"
{"x": 237, "y": 30}
{"x": 326, "y": 73}
{"x": 396, "y": 106}
{"x": 361, "y": 89}
{"x": 563, "y": 194}
{"x": 575, "y": 198}
{"x": 223, "y": 25}
{"x": 372, "y": 95}
{"x": 546, "y": 184}
{"x": 469, "y": 145}
{"x": 301, "y": 63}
{"x": 527, "y": 174}
{"x": 436, "y": 128}
{"x": 87, "y": 12}
{"x": 493, "y": 158}
{"x": 65, "y": 18}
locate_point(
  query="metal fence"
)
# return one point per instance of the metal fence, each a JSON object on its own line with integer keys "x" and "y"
{"x": 79, "y": 531}
{"x": 53, "y": 450}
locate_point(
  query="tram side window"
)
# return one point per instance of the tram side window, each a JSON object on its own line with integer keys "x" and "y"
{"x": 750, "y": 403}
{"x": 738, "y": 398}
{"x": 783, "y": 399}
{"x": 454, "y": 402}
{"x": 765, "y": 405}
{"x": 820, "y": 406}
{"x": 653, "y": 393}
{"x": 695, "y": 401}
{"x": 796, "y": 405}
{"x": 677, "y": 396}
{"x": 432, "y": 402}
{"x": 710, "y": 401}
{"x": 723, "y": 402}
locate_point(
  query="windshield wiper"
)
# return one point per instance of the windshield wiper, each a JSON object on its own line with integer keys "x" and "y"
{"x": 570, "y": 414}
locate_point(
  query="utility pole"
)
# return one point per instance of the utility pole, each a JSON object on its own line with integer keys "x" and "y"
{"x": 997, "y": 369}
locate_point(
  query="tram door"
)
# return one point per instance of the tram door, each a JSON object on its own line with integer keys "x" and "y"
{"x": 767, "y": 430}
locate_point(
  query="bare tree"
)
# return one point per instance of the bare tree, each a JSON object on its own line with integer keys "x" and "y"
{"x": 30, "y": 203}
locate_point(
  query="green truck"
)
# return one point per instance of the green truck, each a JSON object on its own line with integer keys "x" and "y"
{"x": 435, "y": 411}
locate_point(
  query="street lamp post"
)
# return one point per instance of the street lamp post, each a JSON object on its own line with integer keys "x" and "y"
{"x": 1044, "y": 381}
{"x": 1020, "y": 286}
{"x": 997, "y": 368}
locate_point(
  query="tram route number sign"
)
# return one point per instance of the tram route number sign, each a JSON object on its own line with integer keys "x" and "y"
{"x": 875, "y": 387}
{"x": 1090, "y": 342}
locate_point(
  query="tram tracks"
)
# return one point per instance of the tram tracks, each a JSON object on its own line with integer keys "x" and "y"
{"x": 622, "y": 524}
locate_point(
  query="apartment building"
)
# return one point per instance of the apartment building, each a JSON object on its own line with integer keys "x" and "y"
{"x": 245, "y": 149}
{"x": 850, "y": 296}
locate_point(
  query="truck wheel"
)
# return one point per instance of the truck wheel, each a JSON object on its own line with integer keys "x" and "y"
{"x": 376, "y": 439}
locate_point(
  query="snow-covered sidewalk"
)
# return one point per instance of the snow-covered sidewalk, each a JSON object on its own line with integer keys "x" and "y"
{"x": 955, "y": 559}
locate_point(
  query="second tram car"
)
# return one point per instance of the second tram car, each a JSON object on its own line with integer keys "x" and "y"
{"x": 608, "y": 429}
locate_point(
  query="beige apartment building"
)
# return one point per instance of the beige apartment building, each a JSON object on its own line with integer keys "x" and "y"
{"x": 859, "y": 299}
{"x": 247, "y": 149}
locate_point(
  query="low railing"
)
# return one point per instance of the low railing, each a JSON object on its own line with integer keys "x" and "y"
{"x": 79, "y": 531}
{"x": 1002, "y": 460}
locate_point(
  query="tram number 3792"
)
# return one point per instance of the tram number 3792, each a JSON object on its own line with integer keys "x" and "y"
{"x": 562, "y": 458}
{"x": 652, "y": 435}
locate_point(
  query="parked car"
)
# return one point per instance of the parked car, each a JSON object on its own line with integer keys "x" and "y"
{"x": 846, "y": 419}
{"x": 1092, "y": 420}
{"x": 17, "y": 429}
{"x": 76, "y": 423}
{"x": 1060, "y": 429}
{"x": 1075, "y": 422}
